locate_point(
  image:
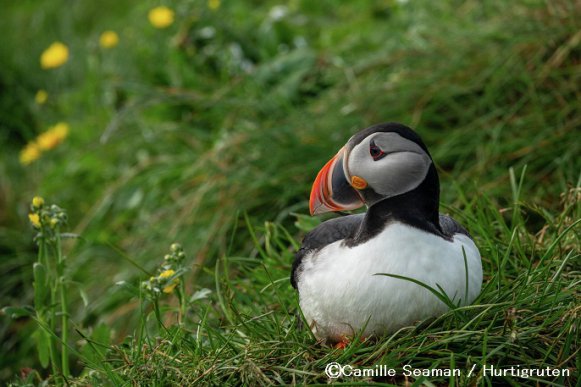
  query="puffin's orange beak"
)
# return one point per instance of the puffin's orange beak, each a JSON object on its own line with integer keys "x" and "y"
{"x": 331, "y": 190}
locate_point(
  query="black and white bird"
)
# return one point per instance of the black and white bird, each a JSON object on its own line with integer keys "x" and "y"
{"x": 388, "y": 168}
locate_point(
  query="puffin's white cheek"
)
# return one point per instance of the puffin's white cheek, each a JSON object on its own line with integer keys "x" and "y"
{"x": 398, "y": 173}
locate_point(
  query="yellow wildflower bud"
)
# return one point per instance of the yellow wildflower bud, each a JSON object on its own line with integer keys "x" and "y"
{"x": 161, "y": 17}
{"x": 34, "y": 220}
{"x": 54, "y": 56}
{"x": 53, "y": 222}
{"x": 169, "y": 288}
{"x": 30, "y": 153}
{"x": 109, "y": 39}
{"x": 37, "y": 202}
{"x": 166, "y": 274}
{"x": 214, "y": 4}
{"x": 53, "y": 136}
{"x": 41, "y": 97}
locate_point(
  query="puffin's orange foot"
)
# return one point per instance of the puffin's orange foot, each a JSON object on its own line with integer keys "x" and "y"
{"x": 345, "y": 341}
{"x": 342, "y": 344}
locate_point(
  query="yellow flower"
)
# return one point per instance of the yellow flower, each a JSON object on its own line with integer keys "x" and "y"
{"x": 53, "y": 136}
{"x": 161, "y": 17}
{"x": 166, "y": 274}
{"x": 61, "y": 130}
{"x": 37, "y": 202}
{"x": 41, "y": 97}
{"x": 109, "y": 39}
{"x": 34, "y": 220}
{"x": 30, "y": 153}
{"x": 214, "y": 4}
{"x": 54, "y": 56}
{"x": 169, "y": 288}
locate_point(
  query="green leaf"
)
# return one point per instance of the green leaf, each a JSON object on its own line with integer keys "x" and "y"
{"x": 84, "y": 297}
{"x": 42, "y": 340}
{"x": 129, "y": 287}
{"x": 70, "y": 235}
{"x": 17, "y": 311}
{"x": 200, "y": 294}
{"x": 40, "y": 285}
{"x": 102, "y": 335}
{"x": 97, "y": 344}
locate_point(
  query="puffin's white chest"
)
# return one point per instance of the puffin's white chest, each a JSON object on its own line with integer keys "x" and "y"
{"x": 339, "y": 293}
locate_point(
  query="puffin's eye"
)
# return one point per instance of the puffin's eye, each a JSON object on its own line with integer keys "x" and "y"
{"x": 375, "y": 152}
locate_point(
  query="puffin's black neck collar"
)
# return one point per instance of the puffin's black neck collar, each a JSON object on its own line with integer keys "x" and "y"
{"x": 417, "y": 208}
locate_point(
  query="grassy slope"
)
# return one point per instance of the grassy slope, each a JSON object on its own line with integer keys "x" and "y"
{"x": 170, "y": 142}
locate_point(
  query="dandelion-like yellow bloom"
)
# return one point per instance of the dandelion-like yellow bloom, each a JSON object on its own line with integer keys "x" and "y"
{"x": 214, "y": 4}
{"x": 161, "y": 17}
{"x": 166, "y": 274}
{"x": 170, "y": 288}
{"x": 54, "y": 56}
{"x": 109, "y": 39}
{"x": 37, "y": 202}
{"x": 41, "y": 97}
{"x": 34, "y": 220}
{"x": 61, "y": 130}
{"x": 53, "y": 136}
{"x": 30, "y": 153}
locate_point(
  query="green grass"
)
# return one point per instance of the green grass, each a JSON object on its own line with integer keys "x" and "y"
{"x": 526, "y": 315}
{"x": 210, "y": 133}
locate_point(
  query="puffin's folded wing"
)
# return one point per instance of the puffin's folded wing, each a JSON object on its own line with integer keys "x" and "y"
{"x": 326, "y": 233}
{"x": 450, "y": 227}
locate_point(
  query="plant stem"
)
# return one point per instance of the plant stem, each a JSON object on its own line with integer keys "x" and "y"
{"x": 42, "y": 258}
{"x": 157, "y": 313}
{"x": 64, "y": 303}
{"x": 182, "y": 301}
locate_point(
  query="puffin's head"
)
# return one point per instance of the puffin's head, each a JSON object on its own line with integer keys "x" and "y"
{"x": 377, "y": 163}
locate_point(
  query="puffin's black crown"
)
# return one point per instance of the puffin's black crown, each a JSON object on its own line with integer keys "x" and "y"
{"x": 393, "y": 127}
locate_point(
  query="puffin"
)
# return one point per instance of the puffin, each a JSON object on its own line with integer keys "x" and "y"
{"x": 367, "y": 274}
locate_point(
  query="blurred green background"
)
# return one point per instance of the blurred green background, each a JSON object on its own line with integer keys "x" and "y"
{"x": 175, "y": 133}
